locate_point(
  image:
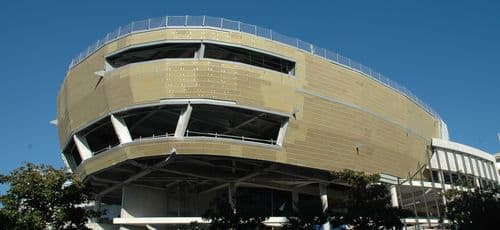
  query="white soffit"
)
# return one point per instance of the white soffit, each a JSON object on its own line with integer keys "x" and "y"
{"x": 454, "y": 146}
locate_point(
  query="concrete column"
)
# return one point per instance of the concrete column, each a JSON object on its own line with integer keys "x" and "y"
{"x": 478, "y": 182}
{"x": 82, "y": 146}
{"x": 295, "y": 200}
{"x": 441, "y": 176}
{"x": 97, "y": 207}
{"x": 121, "y": 129}
{"x": 67, "y": 166}
{"x": 457, "y": 166}
{"x": 281, "y": 133}
{"x": 436, "y": 203}
{"x": 324, "y": 203}
{"x": 466, "y": 171}
{"x": 441, "y": 179}
{"x": 479, "y": 172}
{"x": 107, "y": 66}
{"x": 183, "y": 121}
{"x": 200, "y": 53}
{"x": 394, "y": 196}
{"x": 495, "y": 172}
{"x": 487, "y": 171}
{"x": 448, "y": 167}
{"x": 231, "y": 192}
{"x": 475, "y": 172}
{"x": 139, "y": 201}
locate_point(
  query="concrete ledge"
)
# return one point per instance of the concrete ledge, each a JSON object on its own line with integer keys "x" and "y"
{"x": 423, "y": 221}
{"x": 274, "y": 221}
{"x": 436, "y": 185}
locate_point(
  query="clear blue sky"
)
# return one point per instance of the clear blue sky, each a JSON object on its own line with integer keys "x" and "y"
{"x": 447, "y": 53}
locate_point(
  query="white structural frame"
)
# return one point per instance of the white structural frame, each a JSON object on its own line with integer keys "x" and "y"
{"x": 449, "y": 160}
{"x": 82, "y": 146}
{"x": 122, "y": 130}
{"x": 183, "y": 121}
{"x": 455, "y": 157}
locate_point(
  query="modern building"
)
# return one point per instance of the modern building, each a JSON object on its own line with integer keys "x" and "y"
{"x": 497, "y": 159}
{"x": 163, "y": 115}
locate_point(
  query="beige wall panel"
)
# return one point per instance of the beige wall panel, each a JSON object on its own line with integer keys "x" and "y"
{"x": 83, "y": 80}
{"x": 81, "y": 86}
{"x": 375, "y": 96}
{"x": 333, "y": 132}
{"x": 118, "y": 92}
{"x": 138, "y": 84}
{"x": 352, "y": 87}
{"x": 78, "y": 84}
{"x": 146, "y": 37}
{"x": 323, "y": 78}
{"x": 92, "y": 105}
{"x": 63, "y": 127}
{"x": 158, "y": 148}
{"x": 422, "y": 122}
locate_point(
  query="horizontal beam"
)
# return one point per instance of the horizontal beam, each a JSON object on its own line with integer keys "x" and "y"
{"x": 283, "y": 172}
{"x": 145, "y": 172}
{"x": 274, "y": 221}
{"x": 423, "y": 221}
{"x": 244, "y": 178}
{"x": 244, "y": 123}
{"x": 437, "y": 185}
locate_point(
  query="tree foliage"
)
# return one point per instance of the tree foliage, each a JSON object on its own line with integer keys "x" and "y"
{"x": 306, "y": 215}
{"x": 247, "y": 214}
{"x": 38, "y": 198}
{"x": 366, "y": 205}
{"x": 477, "y": 209}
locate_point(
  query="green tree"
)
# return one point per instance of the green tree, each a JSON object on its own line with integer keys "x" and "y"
{"x": 247, "y": 214}
{"x": 367, "y": 202}
{"x": 366, "y": 205}
{"x": 477, "y": 209}
{"x": 40, "y": 196}
{"x": 306, "y": 215}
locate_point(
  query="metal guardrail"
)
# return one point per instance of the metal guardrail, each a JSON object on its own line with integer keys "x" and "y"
{"x": 225, "y": 24}
{"x": 190, "y": 133}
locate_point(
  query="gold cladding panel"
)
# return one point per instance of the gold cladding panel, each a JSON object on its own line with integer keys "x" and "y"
{"x": 385, "y": 126}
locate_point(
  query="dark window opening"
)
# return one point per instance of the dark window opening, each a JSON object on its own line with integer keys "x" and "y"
{"x": 250, "y": 57}
{"x": 100, "y": 136}
{"x": 435, "y": 176}
{"x": 465, "y": 180}
{"x": 152, "y": 121}
{"x": 458, "y": 178}
{"x": 267, "y": 201}
{"x": 451, "y": 177}
{"x": 234, "y": 123}
{"x": 484, "y": 183}
{"x": 214, "y": 51}
{"x": 154, "y": 52}
{"x": 72, "y": 155}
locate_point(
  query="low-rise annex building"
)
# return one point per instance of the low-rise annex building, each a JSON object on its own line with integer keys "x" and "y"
{"x": 497, "y": 159}
{"x": 162, "y": 115}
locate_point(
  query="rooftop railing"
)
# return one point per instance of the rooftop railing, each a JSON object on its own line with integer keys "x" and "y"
{"x": 225, "y": 24}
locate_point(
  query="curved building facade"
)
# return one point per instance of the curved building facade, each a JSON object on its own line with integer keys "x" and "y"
{"x": 199, "y": 104}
